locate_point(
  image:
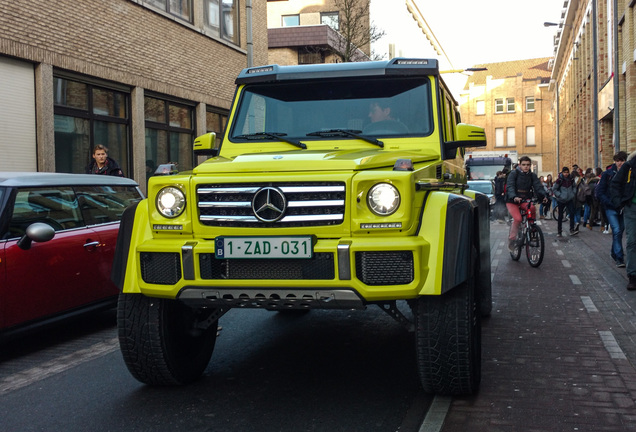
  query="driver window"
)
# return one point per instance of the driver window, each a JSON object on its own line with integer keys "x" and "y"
{"x": 56, "y": 207}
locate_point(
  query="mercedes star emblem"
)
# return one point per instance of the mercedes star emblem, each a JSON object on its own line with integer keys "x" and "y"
{"x": 269, "y": 204}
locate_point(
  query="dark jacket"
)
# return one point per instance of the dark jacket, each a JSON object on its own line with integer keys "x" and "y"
{"x": 602, "y": 188}
{"x": 500, "y": 183}
{"x": 110, "y": 168}
{"x": 563, "y": 189}
{"x": 623, "y": 184}
{"x": 523, "y": 185}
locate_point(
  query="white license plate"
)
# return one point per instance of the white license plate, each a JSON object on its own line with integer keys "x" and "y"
{"x": 263, "y": 247}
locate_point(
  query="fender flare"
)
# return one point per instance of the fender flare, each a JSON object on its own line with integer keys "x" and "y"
{"x": 122, "y": 247}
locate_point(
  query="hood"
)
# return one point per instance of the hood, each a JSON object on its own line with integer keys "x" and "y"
{"x": 303, "y": 160}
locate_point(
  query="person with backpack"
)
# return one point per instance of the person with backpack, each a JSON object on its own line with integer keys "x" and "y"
{"x": 623, "y": 196}
{"x": 588, "y": 186}
{"x": 521, "y": 185}
{"x": 564, "y": 194}
{"x": 613, "y": 214}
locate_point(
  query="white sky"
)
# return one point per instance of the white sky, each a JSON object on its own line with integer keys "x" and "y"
{"x": 489, "y": 31}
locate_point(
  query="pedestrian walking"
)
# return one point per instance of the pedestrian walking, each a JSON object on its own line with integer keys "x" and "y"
{"x": 500, "y": 200}
{"x": 590, "y": 211}
{"x": 623, "y": 197}
{"x": 564, "y": 193}
{"x": 613, "y": 214}
{"x": 103, "y": 164}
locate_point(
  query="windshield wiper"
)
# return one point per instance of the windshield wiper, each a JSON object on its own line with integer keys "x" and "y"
{"x": 347, "y": 132}
{"x": 273, "y": 135}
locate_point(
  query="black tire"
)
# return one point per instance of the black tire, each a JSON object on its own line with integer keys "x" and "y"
{"x": 159, "y": 344}
{"x": 566, "y": 214}
{"x": 516, "y": 253}
{"x": 535, "y": 246}
{"x": 448, "y": 341}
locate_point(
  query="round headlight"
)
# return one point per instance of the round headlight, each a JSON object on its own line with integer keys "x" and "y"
{"x": 383, "y": 199}
{"x": 170, "y": 202}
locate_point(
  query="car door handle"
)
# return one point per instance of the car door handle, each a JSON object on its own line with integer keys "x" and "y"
{"x": 91, "y": 244}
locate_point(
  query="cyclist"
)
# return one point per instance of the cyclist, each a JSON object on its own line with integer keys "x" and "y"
{"x": 522, "y": 185}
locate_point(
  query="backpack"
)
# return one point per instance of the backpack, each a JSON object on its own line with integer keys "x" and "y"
{"x": 582, "y": 192}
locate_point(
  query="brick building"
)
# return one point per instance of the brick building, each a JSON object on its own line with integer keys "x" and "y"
{"x": 512, "y": 102}
{"x": 143, "y": 77}
{"x": 594, "y": 81}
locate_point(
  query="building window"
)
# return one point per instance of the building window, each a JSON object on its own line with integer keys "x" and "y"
{"x": 331, "y": 19}
{"x": 510, "y": 105}
{"x": 215, "y": 121}
{"x": 179, "y": 8}
{"x": 480, "y": 107}
{"x": 499, "y": 137}
{"x": 499, "y": 105}
{"x": 291, "y": 20}
{"x": 530, "y": 136}
{"x": 221, "y": 19}
{"x": 169, "y": 133}
{"x": 510, "y": 137}
{"x": 87, "y": 115}
{"x": 310, "y": 55}
{"x": 530, "y": 103}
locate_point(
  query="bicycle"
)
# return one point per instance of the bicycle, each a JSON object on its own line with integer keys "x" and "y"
{"x": 566, "y": 213}
{"x": 530, "y": 236}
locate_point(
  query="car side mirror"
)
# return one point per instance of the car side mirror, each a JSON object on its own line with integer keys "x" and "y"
{"x": 467, "y": 136}
{"x": 36, "y": 232}
{"x": 204, "y": 145}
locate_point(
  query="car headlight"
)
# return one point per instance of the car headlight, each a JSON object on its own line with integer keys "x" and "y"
{"x": 170, "y": 202}
{"x": 383, "y": 199}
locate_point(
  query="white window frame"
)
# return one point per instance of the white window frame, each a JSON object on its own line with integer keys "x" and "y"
{"x": 510, "y": 137}
{"x": 510, "y": 104}
{"x": 530, "y": 103}
{"x": 499, "y": 106}
{"x": 480, "y": 107}
{"x": 530, "y": 136}
{"x": 499, "y": 137}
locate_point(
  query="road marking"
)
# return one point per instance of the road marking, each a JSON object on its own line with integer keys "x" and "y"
{"x": 559, "y": 252}
{"x": 60, "y": 364}
{"x": 436, "y": 414}
{"x": 566, "y": 263}
{"x": 611, "y": 345}
{"x": 575, "y": 279}
{"x": 589, "y": 304}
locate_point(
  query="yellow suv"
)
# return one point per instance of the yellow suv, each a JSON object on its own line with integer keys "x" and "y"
{"x": 335, "y": 186}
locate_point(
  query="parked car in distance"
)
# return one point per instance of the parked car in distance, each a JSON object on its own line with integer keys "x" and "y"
{"x": 57, "y": 239}
{"x": 486, "y": 187}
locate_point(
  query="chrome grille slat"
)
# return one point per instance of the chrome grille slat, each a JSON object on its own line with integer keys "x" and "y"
{"x": 308, "y": 204}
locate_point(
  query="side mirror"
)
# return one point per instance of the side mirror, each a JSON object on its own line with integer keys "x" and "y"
{"x": 204, "y": 145}
{"x": 36, "y": 232}
{"x": 467, "y": 136}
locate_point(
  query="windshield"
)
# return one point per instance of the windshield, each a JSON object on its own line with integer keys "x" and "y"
{"x": 341, "y": 109}
{"x": 483, "y": 172}
{"x": 483, "y": 187}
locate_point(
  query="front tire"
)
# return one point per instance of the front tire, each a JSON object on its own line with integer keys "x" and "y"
{"x": 448, "y": 341}
{"x": 535, "y": 246}
{"x": 159, "y": 342}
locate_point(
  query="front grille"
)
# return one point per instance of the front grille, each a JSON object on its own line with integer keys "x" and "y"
{"x": 385, "y": 268}
{"x": 161, "y": 268}
{"x": 305, "y": 204}
{"x": 320, "y": 267}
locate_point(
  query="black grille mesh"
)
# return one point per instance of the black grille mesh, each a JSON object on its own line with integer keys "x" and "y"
{"x": 385, "y": 268}
{"x": 320, "y": 267}
{"x": 161, "y": 268}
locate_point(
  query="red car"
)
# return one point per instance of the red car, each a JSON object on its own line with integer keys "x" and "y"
{"x": 57, "y": 240}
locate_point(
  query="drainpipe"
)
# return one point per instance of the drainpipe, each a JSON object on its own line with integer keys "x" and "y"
{"x": 617, "y": 142}
{"x": 595, "y": 81}
{"x": 250, "y": 45}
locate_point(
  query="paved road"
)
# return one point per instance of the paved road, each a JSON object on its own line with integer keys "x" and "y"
{"x": 559, "y": 349}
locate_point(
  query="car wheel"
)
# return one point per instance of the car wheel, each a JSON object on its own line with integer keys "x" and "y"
{"x": 448, "y": 341}
{"x": 159, "y": 342}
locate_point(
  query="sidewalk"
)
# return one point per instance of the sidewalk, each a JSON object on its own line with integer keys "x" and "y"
{"x": 559, "y": 351}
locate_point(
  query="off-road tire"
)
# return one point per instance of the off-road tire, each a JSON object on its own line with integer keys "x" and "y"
{"x": 159, "y": 344}
{"x": 448, "y": 341}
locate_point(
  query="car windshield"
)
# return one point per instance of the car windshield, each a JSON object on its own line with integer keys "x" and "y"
{"x": 483, "y": 187}
{"x": 335, "y": 109}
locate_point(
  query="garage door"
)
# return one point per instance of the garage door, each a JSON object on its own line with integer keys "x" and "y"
{"x": 17, "y": 116}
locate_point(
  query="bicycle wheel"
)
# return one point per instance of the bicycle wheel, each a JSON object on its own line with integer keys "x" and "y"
{"x": 555, "y": 214}
{"x": 535, "y": 246}
{"x": 516, "y": 252}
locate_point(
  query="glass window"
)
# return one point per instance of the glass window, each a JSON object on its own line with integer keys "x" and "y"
{"x": 530, "y": 136}
{"x": 102, "y": 204}
{"x": 81, "y": 122}
{"x": 480, "y": 107}
{"x": 530, "y": 103}
{"x": 331, "y": 19}
{"x": 310, "y": 55}
{"x": 169, "y": 133}
{"x": 499, "y": 137}
{"x": 216, "y": 122}
{"x": 178, "y": 8}
{"x": 510, "y": 105}
{"x": 499, "y": 105}
{"x": 291, "y": 20}
{"x": 70, "y": 94}
{"x": 510, "y": 136}
{"x": 221, "y": 19}
{"x": 305, "y": 110}
{"x": 55, "y": 206}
